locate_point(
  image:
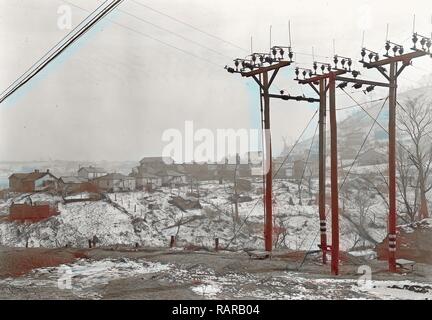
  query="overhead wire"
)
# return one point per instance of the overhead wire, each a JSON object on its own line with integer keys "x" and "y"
{"x": 39, "y": 64}
{"x": 308, "y": 156}
{"x": 343, "y": 182}
{"x": 153, "y": 38}
{"x": 375, "y": 120}
{"x": 379, "y": 124}
{"x": 274, "y": 175}
{"x": 174, "y": 33}
{"x": 286, "y": 158}
{"x": 189, "y": 25}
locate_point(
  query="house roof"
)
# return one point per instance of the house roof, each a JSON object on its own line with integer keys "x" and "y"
{"x": 115, "y": 176}
{"x": 174, "y": 173}
{"x": 92, "y": 169}
{"x": 163, "y": 173}
{"x": 73, "y": 179}
{"x": 166, "y": 160}
{"x": 32, "y": 176}
{"x": 147, "y": 175}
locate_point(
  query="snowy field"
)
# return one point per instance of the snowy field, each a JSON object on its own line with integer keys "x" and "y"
{"x": 149, "y": 219}
{"x": 89, "y": 279}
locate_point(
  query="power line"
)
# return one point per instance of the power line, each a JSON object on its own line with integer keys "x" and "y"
{"x": 57, "y": 44}
{"x": 55, "y": 54}
{"x": 356, "y": 105}
{"x": 308, "y": 155}
{"x": 345, "y": 178}
{"x": 174, "y": 33}
{"x": 256, "y": 203}
{"x": 363, "y": 144}
{"x": 190, "y": 26}
{"x": 296, "y": 143}
{"x": 311, "y": 55}
{"x": 209, "y": 34}
{"x": 306, "y": 252}
{"x": 156, "y": 39}
{"x": 379, "y": 124}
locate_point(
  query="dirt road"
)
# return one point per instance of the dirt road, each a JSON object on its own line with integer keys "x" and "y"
{"x": 178, "y": 274}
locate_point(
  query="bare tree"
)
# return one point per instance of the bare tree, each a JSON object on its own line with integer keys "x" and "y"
{"x": 309, "y": 180}
{"x": 416, "y": 123}
{"x": 377, "y": 183}
{"x": 408, "y": 186}
{"x": 363, "y": 203}
{"x": 359, "y": 195}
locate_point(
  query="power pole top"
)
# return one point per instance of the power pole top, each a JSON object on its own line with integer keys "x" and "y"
{"x": 405, "y": 58}
{"x": 261, "y": 70}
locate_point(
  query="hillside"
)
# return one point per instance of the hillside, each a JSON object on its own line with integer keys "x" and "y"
{"x": 353, "y": 128}
{"x": 149, "y": 219}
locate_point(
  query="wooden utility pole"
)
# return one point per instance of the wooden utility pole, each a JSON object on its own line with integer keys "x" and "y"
{"x": 263, "y": 68}
{"x": 391, "y": 76}
{"x": 268, "y": 165}
{"x": 265, "y": 83}
{"x": 321, "y": 79}
{"x": 258, "y": 68}
{"x": 322, "y": 168}
{"x": 392, "y": 219}
{"x": 334, "y": 176}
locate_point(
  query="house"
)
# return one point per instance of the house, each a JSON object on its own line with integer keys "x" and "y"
{"x": 33, "y": 181}
{"x": 298, "y": 168}
{"x": 227, "y": 171}
{"x": 199, "y": 171}
{"x": 115, "y": 182}
{"x": 70, "y": 185}
{"x": 91, "y": 172}
{"x": 147, "y": 181}
{"x": 282, "y": 169}
{"x": 172, "y": 178}
{"x": 154, "y": 165}
{"x": 156, "y": 162}
{"x": 244, "y": 170}
{"x": 254, "y": 157}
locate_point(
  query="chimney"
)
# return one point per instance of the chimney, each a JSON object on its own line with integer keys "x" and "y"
{"x": 47, "y": 171}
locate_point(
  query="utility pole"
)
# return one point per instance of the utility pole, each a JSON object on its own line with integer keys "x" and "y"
{"x": 258, "y": 66}
{"x": 322, "y": 168}
{"x": 391, "y": 76}
{"x": 322, "y": 93}
{"x": 327, "y": 74}
{"x": 397, "y": 62}
{"x": 334, "y": 176}
{"x": 263, "y": 68}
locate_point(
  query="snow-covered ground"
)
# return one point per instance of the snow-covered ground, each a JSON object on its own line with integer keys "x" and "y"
{"x": 89, "y": 279}
{"x": 148, "y": 219}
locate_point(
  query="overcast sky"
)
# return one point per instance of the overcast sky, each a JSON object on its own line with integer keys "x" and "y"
{"x": 112, "y": 95}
